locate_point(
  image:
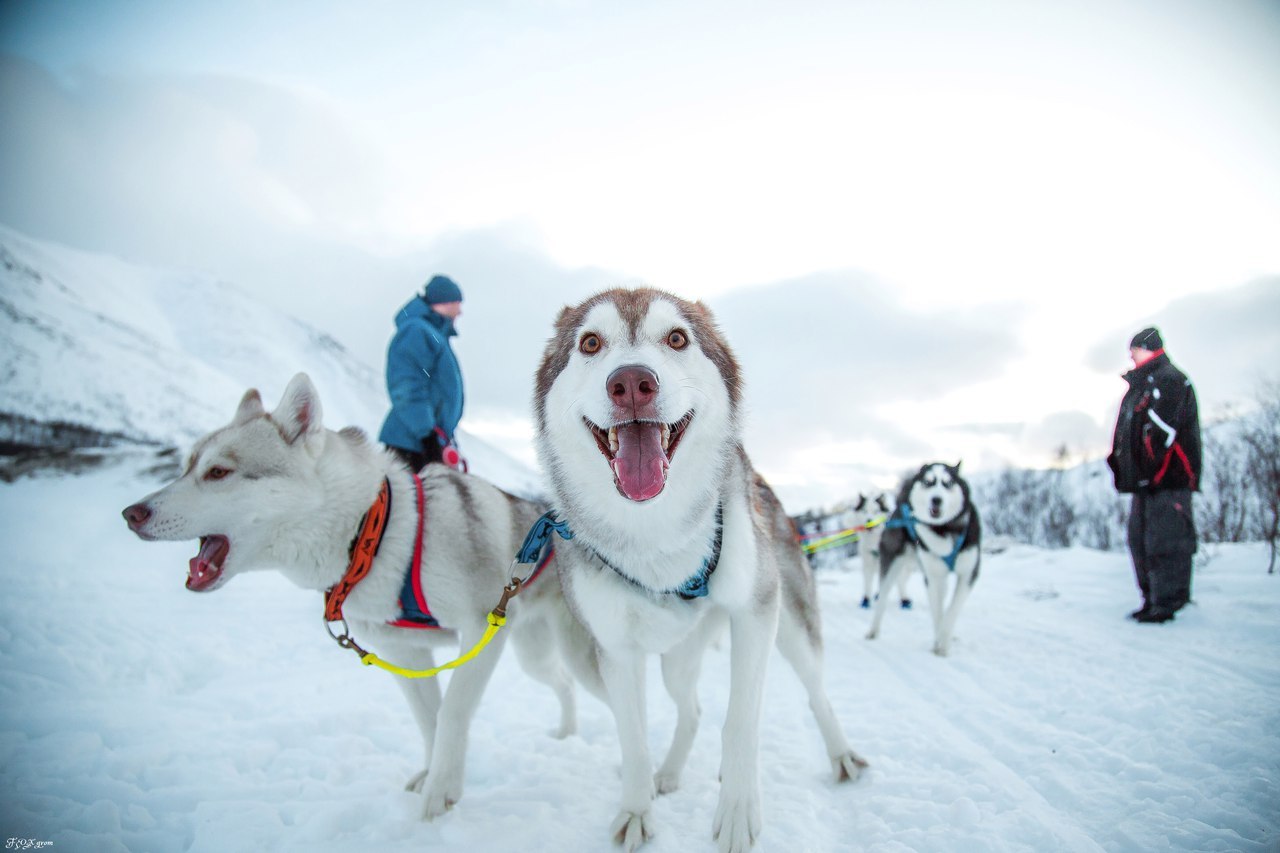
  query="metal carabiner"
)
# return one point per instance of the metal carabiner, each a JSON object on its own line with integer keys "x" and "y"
{"x": 346, "y": 632}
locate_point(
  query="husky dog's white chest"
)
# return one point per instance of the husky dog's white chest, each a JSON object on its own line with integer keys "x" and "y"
{"x": 937, "y": 544}
{"x": 939, "y": 555}
{"x": 623, "y": 615}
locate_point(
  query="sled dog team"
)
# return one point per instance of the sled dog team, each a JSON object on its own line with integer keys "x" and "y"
{"x": 661, "y": 538}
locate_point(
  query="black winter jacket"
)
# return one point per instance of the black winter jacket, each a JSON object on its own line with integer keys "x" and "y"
{"x": 1157, "y": 440}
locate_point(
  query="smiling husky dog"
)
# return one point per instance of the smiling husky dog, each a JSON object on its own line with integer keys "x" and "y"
{"x": 280, "y": 491}
{"x": 935, "y": 527}
{"x": 637, "y": 419}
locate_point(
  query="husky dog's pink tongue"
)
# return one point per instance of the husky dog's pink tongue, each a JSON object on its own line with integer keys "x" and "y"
{"x": 206, "y": 567}
{"x": 640, "y": 464}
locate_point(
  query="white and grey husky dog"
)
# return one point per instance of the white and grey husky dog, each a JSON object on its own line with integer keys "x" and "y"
{"x": 637, "y": 421}
{"x": 870, "y": 513}
{"x": 935, "y": 527}
{"x": 278, "y": 490}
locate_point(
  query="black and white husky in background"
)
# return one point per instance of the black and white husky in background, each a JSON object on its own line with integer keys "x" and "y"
{"x": 936, "y": 527}
{"x": 279, "y": 491}
{"x": 638, "y": 426}
{"x": 870, "y": 513}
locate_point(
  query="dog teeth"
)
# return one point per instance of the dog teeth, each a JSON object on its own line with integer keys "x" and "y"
{"x": 613, "y": 439}
{"x": 666, "y": 437}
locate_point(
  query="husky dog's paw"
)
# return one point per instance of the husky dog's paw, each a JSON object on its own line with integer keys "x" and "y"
{"x": 871, "y": 635}
{"x": 568, "y": 721}
{"x": 568, "y": 710}
{"x": 738, "y": 821}
{"x": 631, "y": 829}
{"x": 414, "y": 785}
{"x": 866, "y": 603}
{"x": 438, "y": 799}
{"x": 848, "y": 767}
{"x": 940, "y": 649}
{"x": 664, "y": 782}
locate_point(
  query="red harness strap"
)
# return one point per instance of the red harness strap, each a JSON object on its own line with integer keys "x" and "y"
{"x": 363, "y": 549}
{"x": 1186, "y": 465}
{"x": 414, "y": 612}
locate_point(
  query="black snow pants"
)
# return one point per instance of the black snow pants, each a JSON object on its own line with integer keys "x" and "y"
{"x": 431, "y": 452}
{"x": 1162, "y": 538}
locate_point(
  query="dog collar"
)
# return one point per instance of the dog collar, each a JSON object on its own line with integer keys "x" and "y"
{"x": 696, "y": 586}
{"x": 363, "y": 548}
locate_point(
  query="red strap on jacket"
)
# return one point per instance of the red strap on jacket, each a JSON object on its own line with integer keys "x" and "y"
{"x": 1186, "y": 465}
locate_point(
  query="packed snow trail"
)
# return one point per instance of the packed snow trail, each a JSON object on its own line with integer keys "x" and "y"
{"x": 139, "y": 716}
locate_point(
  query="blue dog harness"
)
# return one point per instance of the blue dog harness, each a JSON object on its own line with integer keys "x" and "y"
{"x": 696, "y": 586}
{"x": 905, "y": 519}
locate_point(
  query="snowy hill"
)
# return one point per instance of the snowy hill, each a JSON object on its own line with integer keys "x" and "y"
{"x": 118, "y": 353}
{"x": 140, "y": 717}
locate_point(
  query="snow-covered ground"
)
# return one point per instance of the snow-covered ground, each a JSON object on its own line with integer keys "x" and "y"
{"x": 139, "y": 716}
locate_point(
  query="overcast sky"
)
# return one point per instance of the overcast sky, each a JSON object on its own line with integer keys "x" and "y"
{"x": 927, "y": 228}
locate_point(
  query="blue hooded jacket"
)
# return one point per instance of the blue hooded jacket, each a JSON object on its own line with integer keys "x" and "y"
{"x": 423, "y": 378}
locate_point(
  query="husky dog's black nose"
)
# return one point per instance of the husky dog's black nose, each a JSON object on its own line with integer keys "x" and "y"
{"x": 936, "y": 503}
{"x": 632, "y": 387}
{"x": 136, "y": 515}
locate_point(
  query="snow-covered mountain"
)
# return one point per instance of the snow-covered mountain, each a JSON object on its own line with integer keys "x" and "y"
{"x": 94, "y": 350}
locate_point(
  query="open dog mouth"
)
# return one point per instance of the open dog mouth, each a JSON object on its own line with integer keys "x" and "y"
{"x": 205, "y": 569}
{"x": 639, "y": 453}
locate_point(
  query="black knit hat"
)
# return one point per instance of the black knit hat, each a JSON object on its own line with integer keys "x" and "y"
{"x": 1148, "y": 339}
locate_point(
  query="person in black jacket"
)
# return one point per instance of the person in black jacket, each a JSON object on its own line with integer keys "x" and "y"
{"x": 1155, "y": 456}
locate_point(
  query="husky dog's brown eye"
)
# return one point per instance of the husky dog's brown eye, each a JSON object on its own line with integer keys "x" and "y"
{"x": 677, "y": 339}
{"x": 590, "y": 344}
{"x": 216, "y": 473}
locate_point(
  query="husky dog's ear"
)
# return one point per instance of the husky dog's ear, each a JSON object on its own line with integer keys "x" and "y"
{"x": 250, "y": 407}
{"x": 299, "y": 413}
{"x": 956, "y": 467}
{"x": 567, "y": 318}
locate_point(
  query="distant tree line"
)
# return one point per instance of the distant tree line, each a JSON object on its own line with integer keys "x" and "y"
{"x": 1037, "y": 508}
{"x": 19, "y": 435}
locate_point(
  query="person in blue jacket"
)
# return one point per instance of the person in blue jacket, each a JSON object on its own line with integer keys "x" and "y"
{"x": 424, "y": 380}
